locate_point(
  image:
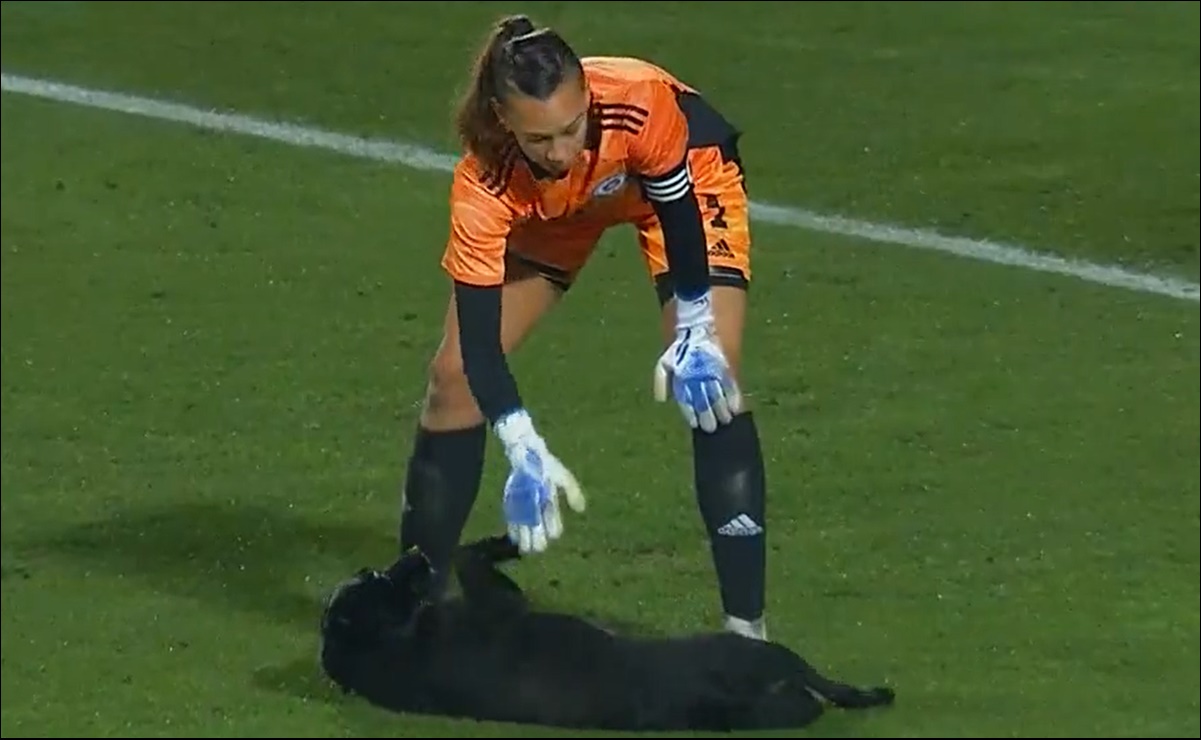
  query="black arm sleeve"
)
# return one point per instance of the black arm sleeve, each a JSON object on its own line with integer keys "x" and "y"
{"x": 675, "y": 203}
{"x": 484, "y": 362}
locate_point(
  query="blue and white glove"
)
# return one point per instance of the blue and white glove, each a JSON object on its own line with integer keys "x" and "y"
{"x": 697, "y": 370}
{"x": 531, "y": 497}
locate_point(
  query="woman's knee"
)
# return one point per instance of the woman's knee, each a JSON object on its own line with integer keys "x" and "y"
{"x": 449, "y": 403}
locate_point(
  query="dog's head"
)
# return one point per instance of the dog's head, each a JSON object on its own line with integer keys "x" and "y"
{"x": 374, "y": 606}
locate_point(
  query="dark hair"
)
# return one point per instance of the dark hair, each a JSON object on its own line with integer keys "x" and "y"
{"x": 516, "y": 57}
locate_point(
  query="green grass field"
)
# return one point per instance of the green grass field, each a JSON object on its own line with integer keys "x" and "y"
{"x": 984, "y": 479}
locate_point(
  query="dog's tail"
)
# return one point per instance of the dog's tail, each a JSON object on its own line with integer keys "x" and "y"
{"x": 847, "y": 696}
{"x": 787, "y": 662}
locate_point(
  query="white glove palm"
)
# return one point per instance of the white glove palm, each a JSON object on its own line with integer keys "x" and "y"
{"x": 697, "y": 370}
{"x": 531, "y": 494}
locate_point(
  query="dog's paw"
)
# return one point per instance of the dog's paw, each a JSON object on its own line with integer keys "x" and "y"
{"x": 496, "y": 549}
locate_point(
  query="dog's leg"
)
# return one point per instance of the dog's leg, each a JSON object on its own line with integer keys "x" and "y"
{"x": 496, "y": 549}
{"x": 484, "y": 586}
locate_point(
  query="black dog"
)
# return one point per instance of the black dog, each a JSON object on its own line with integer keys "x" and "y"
{"x": 487, "y": 655}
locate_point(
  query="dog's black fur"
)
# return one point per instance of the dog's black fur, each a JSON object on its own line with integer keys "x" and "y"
{"x": 487, "y": 655}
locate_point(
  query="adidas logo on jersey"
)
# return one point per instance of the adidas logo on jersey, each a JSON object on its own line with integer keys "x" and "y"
{"x": 740, "y": 526}
{"x": 721, "y": 249}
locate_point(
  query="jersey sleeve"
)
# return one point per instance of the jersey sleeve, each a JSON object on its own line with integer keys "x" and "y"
{"x": 480, "y": 221}
{"x": 661, "y": 143}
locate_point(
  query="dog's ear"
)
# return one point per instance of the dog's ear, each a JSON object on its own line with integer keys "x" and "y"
{"x": 347, "y": 600}
{"x": 412, "y": 573}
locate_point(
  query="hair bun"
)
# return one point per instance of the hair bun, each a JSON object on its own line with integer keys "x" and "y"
{"x": 515, "y": 25}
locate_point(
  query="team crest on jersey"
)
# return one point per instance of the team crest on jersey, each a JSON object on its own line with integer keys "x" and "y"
{"x": 610, "y": 185}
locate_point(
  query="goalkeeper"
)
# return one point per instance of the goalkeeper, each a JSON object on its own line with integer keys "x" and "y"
{"x": 558, "y": 150}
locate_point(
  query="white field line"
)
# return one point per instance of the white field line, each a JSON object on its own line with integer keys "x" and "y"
{"x": 420, "y": 157}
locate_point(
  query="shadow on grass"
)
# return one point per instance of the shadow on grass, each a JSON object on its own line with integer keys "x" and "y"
{"x": 263, "y": 560}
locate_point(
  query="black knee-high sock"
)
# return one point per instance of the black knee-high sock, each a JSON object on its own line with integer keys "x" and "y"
{"x": 440, "y": 489}
{"x": 731, "y": 493}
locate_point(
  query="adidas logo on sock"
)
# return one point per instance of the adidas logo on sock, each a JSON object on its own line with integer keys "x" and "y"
{"x": 740, "y": 526}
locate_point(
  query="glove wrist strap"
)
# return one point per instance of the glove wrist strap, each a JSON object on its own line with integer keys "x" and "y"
{"x": 695, "y": 312}
{"x": 515, "y": 428}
